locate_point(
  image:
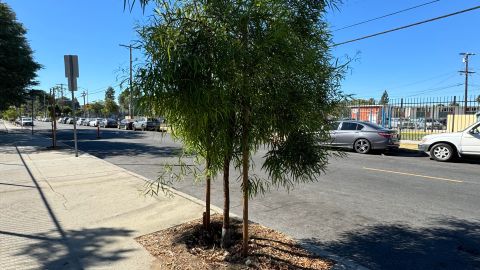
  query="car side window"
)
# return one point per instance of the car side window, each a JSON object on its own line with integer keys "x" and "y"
{"x": 360, "y": 127}
{"x": 333, "y": 126}
{"x": 348, "y": 126}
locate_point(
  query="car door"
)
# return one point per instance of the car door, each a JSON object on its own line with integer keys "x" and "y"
{"x": 471, "y": 141}
{"x": 346, "y": 134}
{"x": 332, "y": 130}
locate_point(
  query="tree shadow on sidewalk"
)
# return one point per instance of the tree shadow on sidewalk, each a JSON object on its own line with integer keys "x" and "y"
{"x": 88, "y": 248}
{"x": 447, "y": 244}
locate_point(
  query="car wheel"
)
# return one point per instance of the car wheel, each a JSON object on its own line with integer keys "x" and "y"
{"x": 362, "y": 146}
{"x": 442, "y": 152}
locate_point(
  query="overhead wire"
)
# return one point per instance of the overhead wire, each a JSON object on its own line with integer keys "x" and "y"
{"x": 407, "y": 26}
{"x": 385, "y": 16}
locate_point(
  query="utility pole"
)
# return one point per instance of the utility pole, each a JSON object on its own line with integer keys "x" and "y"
{"x": 130, "y": 94}
{"x": 466, "y": 72}
{"x": 84, "y": 108}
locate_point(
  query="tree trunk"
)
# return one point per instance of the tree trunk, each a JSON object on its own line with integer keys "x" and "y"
{"x": 245, "y": 167}
{"x": 206, "y": 219}
{"x": 225, "y": 242}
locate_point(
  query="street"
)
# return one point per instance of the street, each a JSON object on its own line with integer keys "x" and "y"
{"x": 383, "y": 211}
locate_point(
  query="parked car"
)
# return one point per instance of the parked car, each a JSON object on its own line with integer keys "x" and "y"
{"x": 447, "y": 146}
{"x": 65, "y": 120}
{"x": 108, "y": 122}
{"x": 26, "y": 121}
{"x": 163, "y": 127}
{"x": 60, "y": 120}
{"x": 80, "y": 121}
{"x": 408, "y": 124}
{"x": 94, "y": 122}
{"x": 85, "y": 122}
{"x": 69, "y": 121}
{"x": 46, "y": 119}
{"x": 126, "y": 124}
{"x": 145, "y": 123}
{"x": 434, "y": 124}
{"x": 362, "y": 136}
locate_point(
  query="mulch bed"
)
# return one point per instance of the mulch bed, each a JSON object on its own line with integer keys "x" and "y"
{"x": 188, "y": 246}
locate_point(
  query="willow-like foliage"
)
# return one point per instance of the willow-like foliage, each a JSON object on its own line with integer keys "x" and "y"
{"x": 233, "y": 76}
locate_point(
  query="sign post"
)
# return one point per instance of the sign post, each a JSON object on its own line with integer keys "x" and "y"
{"x": 71, "y": 72}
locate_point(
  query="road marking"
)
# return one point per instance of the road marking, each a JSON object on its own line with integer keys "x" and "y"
{"x": 417, "y": 175}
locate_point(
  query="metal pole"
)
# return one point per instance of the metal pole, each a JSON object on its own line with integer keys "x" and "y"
{"x": 453, "y": 116}
{"x": 54, "y": 121}
{"x": 131, "y": 90}
{"x": 74, "y": 125}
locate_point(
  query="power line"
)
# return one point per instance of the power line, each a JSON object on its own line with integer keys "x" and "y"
{"x": 435, "y": 89}
{"x": 407, "y": 26}
{"x": 384, "y": 16}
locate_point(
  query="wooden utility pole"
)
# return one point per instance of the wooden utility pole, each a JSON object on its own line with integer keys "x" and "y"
{"x": 84, "y": 108}
{"x": 466, "y": 72}
{"x": 130, "y": 89}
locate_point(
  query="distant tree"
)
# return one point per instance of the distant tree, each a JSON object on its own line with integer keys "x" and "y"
{"x": 478, "y": 99}
{"x": 10, "y": 114}
{"x": 110, "y": 93}
{"x": 97, "y": 107}
{"x": 67, "y": 111}
{"x": 17, "y": 67}
{"x": 384, "y": 99}
{"x": 110, "y": 106}
{"x": 123, "y": 100}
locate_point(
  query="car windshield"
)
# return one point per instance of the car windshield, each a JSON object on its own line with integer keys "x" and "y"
{"x": 27, "y": 119}
{"x": 476, "y": 125}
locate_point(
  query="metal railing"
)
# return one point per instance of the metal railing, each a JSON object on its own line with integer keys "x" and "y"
{"x": 414, "y": 118}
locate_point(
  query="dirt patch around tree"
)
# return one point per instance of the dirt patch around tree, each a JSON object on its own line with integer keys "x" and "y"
{"x": 188, "y": 246}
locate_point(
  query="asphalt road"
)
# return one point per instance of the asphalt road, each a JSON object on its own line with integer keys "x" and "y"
{"x": 384, "y": 211}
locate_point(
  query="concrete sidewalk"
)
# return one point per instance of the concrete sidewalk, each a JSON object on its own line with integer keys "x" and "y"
{"x": 62, "y": 212}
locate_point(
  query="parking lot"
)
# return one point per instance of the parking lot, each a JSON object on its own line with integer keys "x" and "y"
{"x": 381, "y": 210}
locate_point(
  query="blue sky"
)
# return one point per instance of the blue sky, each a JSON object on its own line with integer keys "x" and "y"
{"x": 415, "y": 62}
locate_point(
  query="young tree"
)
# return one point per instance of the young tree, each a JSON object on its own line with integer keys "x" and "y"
{"x": 384, "y": 99}
{"x": 257, "y": 73}
{"x": 17, "y": 67}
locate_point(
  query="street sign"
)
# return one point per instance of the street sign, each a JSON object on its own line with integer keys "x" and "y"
{"x": 71, "y": 71}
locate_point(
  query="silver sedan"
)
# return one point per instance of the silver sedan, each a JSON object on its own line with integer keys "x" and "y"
{"x": 362, "y": 136}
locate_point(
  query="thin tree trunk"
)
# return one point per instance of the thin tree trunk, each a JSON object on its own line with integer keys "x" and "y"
{"x": 206, "y": 218}
{"x": 245, "y": 167}
{"x": 226, "y": 202}
{"x": 225, "y": 241}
